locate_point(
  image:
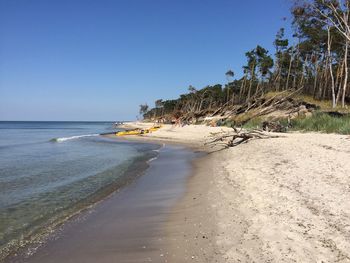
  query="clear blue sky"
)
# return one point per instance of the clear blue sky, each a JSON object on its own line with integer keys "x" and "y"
{"x": 98, "y": 60}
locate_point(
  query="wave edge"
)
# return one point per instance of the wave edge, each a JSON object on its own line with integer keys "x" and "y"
{"x": 63, "y": 139}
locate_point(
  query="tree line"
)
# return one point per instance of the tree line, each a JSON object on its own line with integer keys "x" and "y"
{"x": 316, "y": 64}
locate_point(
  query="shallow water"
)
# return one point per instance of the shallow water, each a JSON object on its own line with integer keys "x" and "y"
{"x": 51, "y": 170}
{"x": 127, "y": 226}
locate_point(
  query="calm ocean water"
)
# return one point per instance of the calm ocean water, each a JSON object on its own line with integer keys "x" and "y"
{"x": 51, "y": 170}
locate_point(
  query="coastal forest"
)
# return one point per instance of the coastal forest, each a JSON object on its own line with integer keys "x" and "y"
{"x": 308, "y": 73}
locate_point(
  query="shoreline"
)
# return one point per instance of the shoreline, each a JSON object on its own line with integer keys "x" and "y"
{"x": 191, "y": 227}
{"x": 270, "y": 200}
{"x": 43, "y": 234}
{"x": 190, "y": 231}
{"x": 127, "y": 223}
{"x": 189, "y": 235}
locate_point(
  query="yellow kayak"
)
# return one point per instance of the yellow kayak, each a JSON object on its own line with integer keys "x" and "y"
{"x": 154, "y": 129}
{"x": 132, "y": 132}
{"x": 138, "y": 131}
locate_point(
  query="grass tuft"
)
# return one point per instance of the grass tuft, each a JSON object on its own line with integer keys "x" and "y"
{"x": 322, "y": 122}
{"x": 318, "y": 122}
{"x": 255, "y": 123}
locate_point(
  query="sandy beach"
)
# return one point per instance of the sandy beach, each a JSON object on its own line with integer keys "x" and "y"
{"x": 281, "y": 199}
{"x": 175, "y": 131}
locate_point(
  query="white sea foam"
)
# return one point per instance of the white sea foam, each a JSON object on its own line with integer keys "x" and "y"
{"x": 158, "y": 150}
{"x": 63, "y": 139}
{"x": 152, "y": 159}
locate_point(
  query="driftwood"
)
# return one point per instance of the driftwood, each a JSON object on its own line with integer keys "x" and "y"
{"x": 236, "y": 137}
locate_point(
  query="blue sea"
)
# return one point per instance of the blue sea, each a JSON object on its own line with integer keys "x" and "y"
{"x": 50, "y": 171}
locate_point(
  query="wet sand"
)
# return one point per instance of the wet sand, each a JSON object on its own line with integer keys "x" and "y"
{"x": 128, "y": 226}
{"x": 191, "y": 227}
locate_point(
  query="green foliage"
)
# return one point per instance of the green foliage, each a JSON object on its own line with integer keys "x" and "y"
{"x": 230, "y": 74}
{"x": 226, "y": 123}
{"x": 143, "y": 108}
{"x": 318, "y": 122}
{"x": 254, "y": 123}
{"x": 258, "y": 61}
{"x": 158, "y": 103}
{"x": 281, "y": 43}
{"x": 315, "y": 65}
{"x": 322, "y": 122}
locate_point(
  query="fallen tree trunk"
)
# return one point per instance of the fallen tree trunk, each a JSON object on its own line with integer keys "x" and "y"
{"x": 237, "y": 137}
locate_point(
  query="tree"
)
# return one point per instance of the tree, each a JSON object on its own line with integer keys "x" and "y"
{"x": 323, "y": 27}
{"x": 229, "y": 75}
{"x": 258, "y": 66}
{"x": 143, "y": 109}
{"x": 158, "y": 105}
{"x": 315, "y": 64}
{"x": 281, "y": 45}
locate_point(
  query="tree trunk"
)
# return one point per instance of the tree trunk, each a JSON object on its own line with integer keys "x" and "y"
{"x": 330, "y": 67}
{"x": 301, "y": 83}
{"x": 289, "y": 69}
{"x": 295, "y": 69}
{"x": 316, "y": 77}
{"x": 241, "y": 91}
{"x": 277, "y": 82}
{"x": 228, "y": 92}
{"x": 346, "y": 74}
{"x": 251, "y": 82}
{"x": 339, "y": 81}
{"x": 257, "y": 88}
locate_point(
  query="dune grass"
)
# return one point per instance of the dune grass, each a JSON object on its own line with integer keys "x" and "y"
{"x": 322, "y": 122}
{"x": 318, "y": 122}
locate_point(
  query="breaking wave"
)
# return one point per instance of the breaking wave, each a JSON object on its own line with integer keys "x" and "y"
{"x": 63, "y": 139}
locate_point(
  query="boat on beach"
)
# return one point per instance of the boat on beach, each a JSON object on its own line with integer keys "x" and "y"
{"x": 137, "y": 131}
